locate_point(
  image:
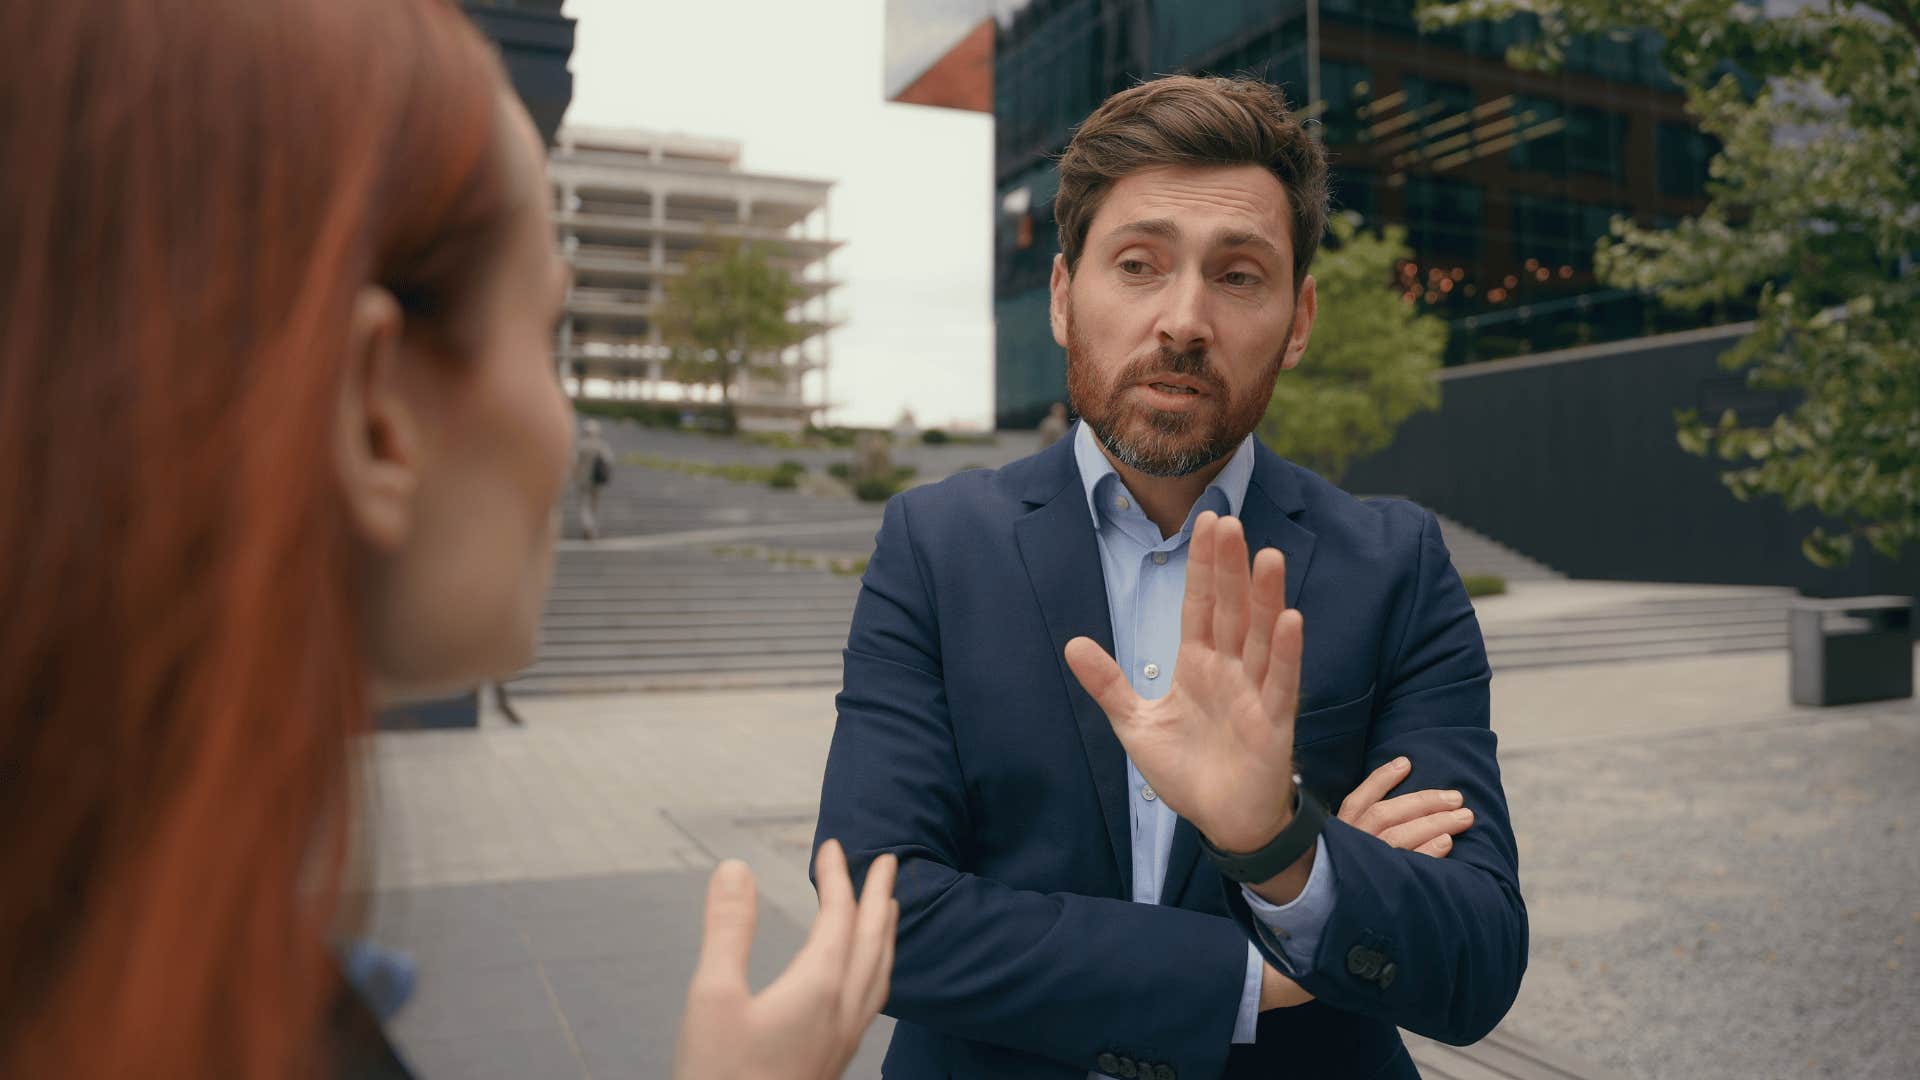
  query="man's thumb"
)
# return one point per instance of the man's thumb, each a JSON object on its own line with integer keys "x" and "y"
{"x": 1101, "y": 677}
{"x": 731, "y": 911}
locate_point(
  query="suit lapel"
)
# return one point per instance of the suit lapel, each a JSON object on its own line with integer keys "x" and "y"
{"x": 1267, "y": 515}
{"x": 1062, "y": 558}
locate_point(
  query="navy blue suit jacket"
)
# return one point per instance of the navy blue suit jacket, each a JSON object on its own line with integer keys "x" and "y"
{"x": 966, "y": 747}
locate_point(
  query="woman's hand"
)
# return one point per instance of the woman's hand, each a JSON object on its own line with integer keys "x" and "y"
{"x": 808, "y": 1023}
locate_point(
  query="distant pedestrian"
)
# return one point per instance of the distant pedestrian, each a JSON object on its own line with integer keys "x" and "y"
{"x": 1054, "y": 425}
{"x": 592, "y": 471}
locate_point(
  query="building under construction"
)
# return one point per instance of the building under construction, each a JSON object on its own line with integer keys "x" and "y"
{"x": 632, "y": 207}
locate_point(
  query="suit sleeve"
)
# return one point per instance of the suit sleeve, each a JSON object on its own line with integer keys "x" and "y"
{"x": 1436, "y": 946}
{"x": 1060, "y": 975}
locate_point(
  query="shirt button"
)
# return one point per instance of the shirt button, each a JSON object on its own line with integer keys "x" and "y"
{"x": 1121, "y": 503}
{"x": 1151, "y": 671}
{"x": 1148, "y": 793}
{"x": 1159, "y": 558}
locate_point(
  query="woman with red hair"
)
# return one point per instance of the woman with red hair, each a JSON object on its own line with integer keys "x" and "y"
{"x": 280, "y": 443}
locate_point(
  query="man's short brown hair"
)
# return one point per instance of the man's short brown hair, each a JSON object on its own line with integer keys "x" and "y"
{"x": 1183, "y": 120}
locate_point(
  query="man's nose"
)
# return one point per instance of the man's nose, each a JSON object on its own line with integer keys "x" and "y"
{"x": 1184, "y": 323}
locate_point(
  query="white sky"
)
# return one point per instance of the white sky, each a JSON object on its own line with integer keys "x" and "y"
{"x": 799, "y": 84}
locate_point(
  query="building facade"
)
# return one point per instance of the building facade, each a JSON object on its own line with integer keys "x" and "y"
{"x": 535, "y": 42}
{"x": 632, "y": 207}
{"x": 1504, "y": 179}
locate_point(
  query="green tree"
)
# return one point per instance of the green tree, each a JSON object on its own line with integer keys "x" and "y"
{"x": 1369, "y": 364}
{"x": 1814, "y": 207}
{"x": 727, "y": 314}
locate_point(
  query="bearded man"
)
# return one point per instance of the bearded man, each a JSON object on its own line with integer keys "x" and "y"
{"x": 1067, "y": 681}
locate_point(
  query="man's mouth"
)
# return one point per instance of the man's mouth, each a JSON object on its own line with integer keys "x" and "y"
{"x": 1173, "y": 388}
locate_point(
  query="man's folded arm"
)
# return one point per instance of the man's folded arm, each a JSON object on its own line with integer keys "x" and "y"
{"x": 1061, "y": 975}
{"x": 1436, "y": 946}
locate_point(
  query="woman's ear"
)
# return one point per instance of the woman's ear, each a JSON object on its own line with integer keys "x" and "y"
{"x": 377, "y": 426}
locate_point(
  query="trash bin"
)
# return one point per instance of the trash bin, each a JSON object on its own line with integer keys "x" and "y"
{"x": 1852, "y": 649}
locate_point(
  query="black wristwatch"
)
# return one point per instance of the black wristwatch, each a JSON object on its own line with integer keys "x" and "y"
{"x": 1309, "y": 817}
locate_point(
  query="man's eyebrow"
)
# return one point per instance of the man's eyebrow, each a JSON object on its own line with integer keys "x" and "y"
{"x": 1163, "y": 228}
{"x": 1166, "y": 229}
{"x": 1235, "y": 239}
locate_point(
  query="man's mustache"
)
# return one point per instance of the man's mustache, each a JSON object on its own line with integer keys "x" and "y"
{"x": 1191, "y": 364}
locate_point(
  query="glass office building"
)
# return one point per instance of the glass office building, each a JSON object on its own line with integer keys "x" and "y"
{"x": 1504, "y": 179}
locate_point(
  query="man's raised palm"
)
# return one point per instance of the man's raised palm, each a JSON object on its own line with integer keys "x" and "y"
{"x": 1218, "y": 748}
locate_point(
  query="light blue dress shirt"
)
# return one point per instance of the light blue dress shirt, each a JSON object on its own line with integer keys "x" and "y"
{"x": 1146, "y": 577}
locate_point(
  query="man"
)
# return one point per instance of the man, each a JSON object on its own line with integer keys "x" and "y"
{"x": 592, "y": 471}
{"x": 1057, "y": 920}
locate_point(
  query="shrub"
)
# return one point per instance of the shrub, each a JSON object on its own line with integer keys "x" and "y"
{"x": 1484, "y": 584}
{"x": 787, "y": 474}
{"x": 933, "y": 437}
{"x": 875, "y": 489}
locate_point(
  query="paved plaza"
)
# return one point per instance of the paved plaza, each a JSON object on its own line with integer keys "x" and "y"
{"x": 1719, "y": 884}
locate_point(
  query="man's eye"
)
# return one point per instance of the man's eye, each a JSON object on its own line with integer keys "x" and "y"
{"x": 1241, "y": 279}
{"x": 1133, "y": 266}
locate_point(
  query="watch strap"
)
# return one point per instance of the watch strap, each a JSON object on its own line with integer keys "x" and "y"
{"x": 1285, "y": 849}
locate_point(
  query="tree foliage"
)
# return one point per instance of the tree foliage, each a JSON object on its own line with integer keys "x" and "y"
{"x": 1814, "y": 206}
{"x": 728, "y": 313}
{"x": 1369, "y": 364}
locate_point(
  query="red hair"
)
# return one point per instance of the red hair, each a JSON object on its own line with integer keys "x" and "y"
{"x": 191, "y": 195}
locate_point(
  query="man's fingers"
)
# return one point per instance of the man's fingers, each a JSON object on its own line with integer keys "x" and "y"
{"x": 1411, "y": 806}
{"x": 1438, "y": 847}
{"x": 1196, "y": 609}
{"x": 1230, "y": 585}
{"x": 1102, "y": 678}
{"x": 870, "y": 926}
{"x": 1280, "y": 694}
{"x": 1412, "y": 835}
{"x": 1373, "y": 789}
{"x": 832, "y": 934}
{"x": 1269, "y": 596}
{"x": 728, "y": 939}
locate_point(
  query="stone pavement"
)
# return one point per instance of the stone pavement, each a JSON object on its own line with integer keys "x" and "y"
{"x": 1720, "y": 884}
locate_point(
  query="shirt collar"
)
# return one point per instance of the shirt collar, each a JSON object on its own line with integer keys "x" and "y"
{"x": 1094, "y": 467}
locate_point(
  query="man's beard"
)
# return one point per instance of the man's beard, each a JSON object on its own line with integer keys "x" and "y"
{"x": 1155, "y": 441}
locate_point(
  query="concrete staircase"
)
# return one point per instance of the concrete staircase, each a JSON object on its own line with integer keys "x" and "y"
{"x": 700, "y": 604}
{"x": 1693, "y": 621}
{"x": 1476, "y": 554}
{"x": 684, "y": 618}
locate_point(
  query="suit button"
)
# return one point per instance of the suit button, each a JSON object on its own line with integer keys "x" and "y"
{"x": 1363, "y": 962}
{"x": 1386, "y": 976}
{"x": 1128, "y": 1069}
{"x": 1165, "y": 1072}
{"x": 1108, "y": 1064}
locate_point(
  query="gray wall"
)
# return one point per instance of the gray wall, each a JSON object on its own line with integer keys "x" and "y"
{"x": 1570, "y": 458}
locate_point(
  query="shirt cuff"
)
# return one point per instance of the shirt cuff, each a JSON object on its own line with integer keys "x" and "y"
{"x": 1248, "y": 1021}
{"x": 1295, "y": 927}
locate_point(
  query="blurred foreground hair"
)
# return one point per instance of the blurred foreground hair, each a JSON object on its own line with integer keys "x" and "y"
{"x": 191, "y": 194}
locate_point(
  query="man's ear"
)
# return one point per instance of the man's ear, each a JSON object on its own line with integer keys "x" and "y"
{"x": 1060, "y": 304}
{"x": 1305, "y": 307}
{"x": 376, "y": 425}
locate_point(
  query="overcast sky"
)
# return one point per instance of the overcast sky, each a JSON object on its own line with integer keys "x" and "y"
{"x": 799, "y": 84}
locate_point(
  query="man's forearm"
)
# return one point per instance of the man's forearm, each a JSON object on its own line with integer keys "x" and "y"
{"x": 1065, "y": 976}
{"x": 1436, "y": 946}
